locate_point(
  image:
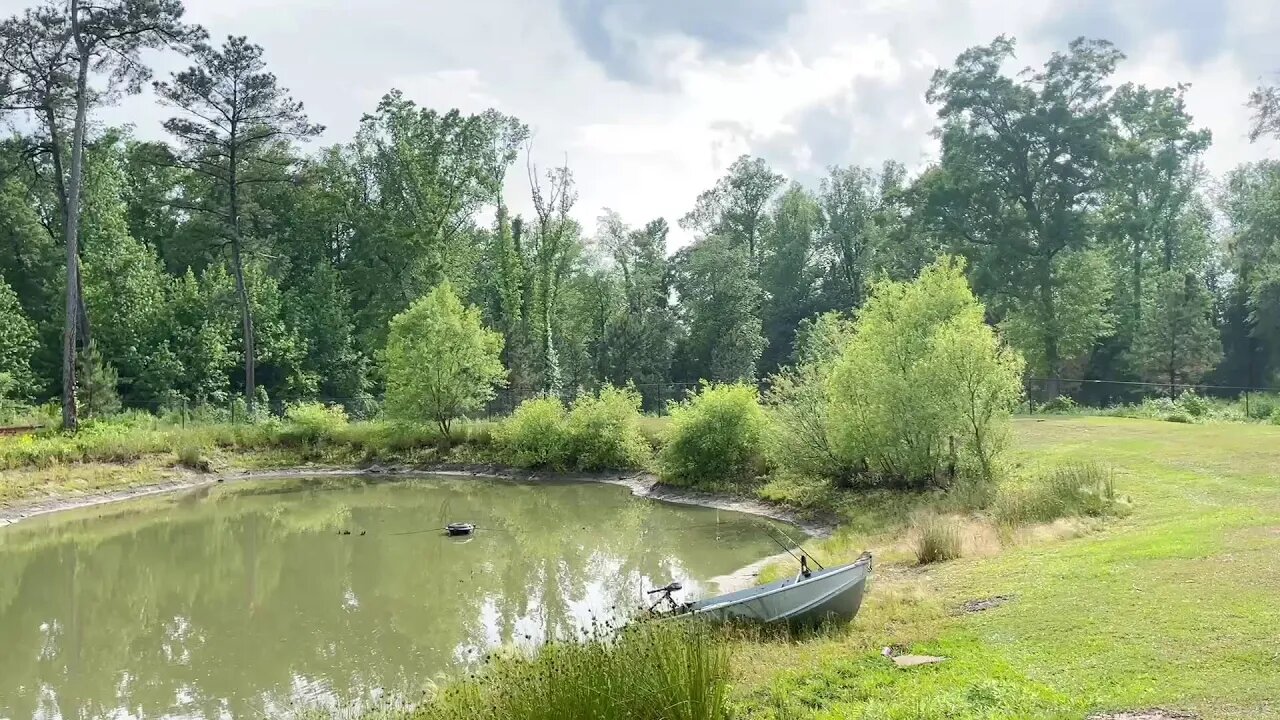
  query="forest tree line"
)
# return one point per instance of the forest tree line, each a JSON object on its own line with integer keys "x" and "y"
{"x": 233, "y": 259}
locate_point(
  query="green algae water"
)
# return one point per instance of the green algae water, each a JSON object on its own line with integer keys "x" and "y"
{"x": 249, "y": 599}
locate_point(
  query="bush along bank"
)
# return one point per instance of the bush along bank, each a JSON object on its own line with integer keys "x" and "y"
{"x": 911, "y": 401}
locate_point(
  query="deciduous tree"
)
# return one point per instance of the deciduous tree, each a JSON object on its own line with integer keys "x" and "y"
{"x": 735, "y": 208}
{"x": 924, "y": 385}
{"x": 1023, "y": 166}
{"x": 720, "y": 311}
{"x": 17, "y": 344}
{"x": 441, "y": 361}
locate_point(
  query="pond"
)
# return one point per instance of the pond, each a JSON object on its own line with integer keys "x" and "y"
{"x": 242, "y": 599}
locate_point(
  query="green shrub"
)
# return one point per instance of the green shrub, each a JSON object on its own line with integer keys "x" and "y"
{"x": 924, "y": 388}
{"x": 715, "y": 435}
{"x": 1262, "y": 406}
{"x": 1192, "y": 404}
{"x": 603, "y": 432}
{"x": 1076, "y": 490}
{"x": 535, "y": 435}
{"x": 1159, "y": 407}
{"x": 937, "y": 538}
{"x": 311, "y": 422}
{"x": 800, "y": 437}
{"x": 1192, "y": 407}
{"x": 647, "y": 671}
{"x": 1060, "y": 404}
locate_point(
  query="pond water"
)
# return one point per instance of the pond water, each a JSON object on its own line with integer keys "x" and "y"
{"x": 246, "y": 598}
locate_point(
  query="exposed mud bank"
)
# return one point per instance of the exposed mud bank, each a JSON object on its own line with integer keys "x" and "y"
{"x": 640, "y": 484}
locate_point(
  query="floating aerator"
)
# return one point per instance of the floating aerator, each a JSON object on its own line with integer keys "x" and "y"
{"x": 456, "y": 529}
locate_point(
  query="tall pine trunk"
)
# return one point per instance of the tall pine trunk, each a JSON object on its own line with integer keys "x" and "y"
{"x": 60, "y": 186}
{"x": 242, "y": 291}
{"x": 70, "y": 419}
{"x": 246, "y": 323}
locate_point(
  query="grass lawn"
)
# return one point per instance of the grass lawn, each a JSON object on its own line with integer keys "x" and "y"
{"x": 1175, "y": 606}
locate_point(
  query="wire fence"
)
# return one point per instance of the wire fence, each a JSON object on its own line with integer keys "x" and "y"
{"x": 1102, "y": 393}
{"x": 655, "y": 400}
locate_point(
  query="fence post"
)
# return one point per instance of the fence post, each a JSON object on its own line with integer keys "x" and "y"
{"x": 1246, "y": 405}
{"x": 184, "y": 413}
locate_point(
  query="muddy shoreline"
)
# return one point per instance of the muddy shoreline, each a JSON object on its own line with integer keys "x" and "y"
{"x": 640, "y": 484}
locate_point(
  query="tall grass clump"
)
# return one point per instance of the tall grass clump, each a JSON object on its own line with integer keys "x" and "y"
{"x": 192, "y": 457}
{"x": 309, "y": 423}
{"x": 648, "y": 671}
{"x": 937, "y": 538}
{"x": 535, "y": 435}
{"x": 1263, "y": 406}
{"x": 717, "y": 435}
{"x": 1075, "y": 490}
{"x": 603, "y": 431}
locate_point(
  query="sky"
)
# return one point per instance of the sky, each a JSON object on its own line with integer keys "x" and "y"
{"x": 651, "y": 100}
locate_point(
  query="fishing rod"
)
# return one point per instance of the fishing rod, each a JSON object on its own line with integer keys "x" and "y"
{"x": 793, "y": 542}
{"x": 417, "y": 532}
{"x": 784, "y": 547}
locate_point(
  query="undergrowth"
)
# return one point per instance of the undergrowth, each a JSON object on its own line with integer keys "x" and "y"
{"x": 647, "y": 671}
{"x": 1072, "y": 490}
{"x": 937, "y": 538}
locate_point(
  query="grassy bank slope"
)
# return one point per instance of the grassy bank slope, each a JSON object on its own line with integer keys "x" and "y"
{"x": 1175, "y": 606}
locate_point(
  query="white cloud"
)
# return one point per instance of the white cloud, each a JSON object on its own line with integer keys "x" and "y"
{"x": 833, "y": 82}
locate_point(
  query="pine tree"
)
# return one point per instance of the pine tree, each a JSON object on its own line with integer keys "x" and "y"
{"x": 234, "y": 115}
{"x": 96, "y": 385}
{"x": 1177, "y": 342}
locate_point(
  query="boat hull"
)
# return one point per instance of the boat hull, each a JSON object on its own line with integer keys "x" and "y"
{"x": 835, "y": 593}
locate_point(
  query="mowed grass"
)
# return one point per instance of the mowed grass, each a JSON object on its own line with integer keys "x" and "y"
{"x": 1176, "y": 605}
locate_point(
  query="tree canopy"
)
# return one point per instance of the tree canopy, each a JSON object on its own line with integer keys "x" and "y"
{"x": 233, "y": 260}
{"x": 441, "y": 361}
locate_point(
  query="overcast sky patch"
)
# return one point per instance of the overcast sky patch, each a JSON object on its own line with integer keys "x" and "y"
{"x": 650, "y": 100}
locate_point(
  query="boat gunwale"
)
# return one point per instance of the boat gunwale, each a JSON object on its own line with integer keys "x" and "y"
{"x": 864, "y": 561}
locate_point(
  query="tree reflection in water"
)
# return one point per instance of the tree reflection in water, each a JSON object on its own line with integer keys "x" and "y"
{"x": 245, "y": 599}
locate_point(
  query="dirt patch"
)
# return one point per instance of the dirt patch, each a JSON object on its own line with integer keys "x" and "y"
{"x": 981, "y": 539}
{"x": 1152, "y": 714}
{"x": 976, "y": 606}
